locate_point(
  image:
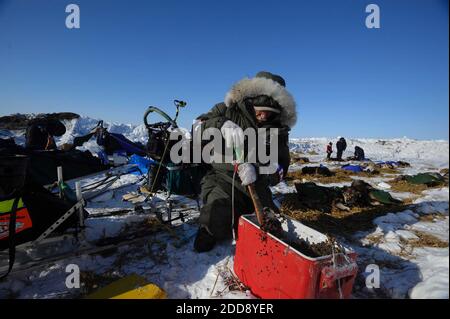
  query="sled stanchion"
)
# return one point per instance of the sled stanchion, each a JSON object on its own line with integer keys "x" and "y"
{"x": 79, "y": 198}
{"x": 55, "y": 225}
{"x": 59, "y": 172}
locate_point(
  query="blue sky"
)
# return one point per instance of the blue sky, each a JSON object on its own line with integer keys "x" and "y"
{"x": 347, "y": 79}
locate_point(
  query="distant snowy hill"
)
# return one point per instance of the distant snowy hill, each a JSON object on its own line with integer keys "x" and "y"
{"x": 433, "y": 151}
{"x": 436, "y": 151}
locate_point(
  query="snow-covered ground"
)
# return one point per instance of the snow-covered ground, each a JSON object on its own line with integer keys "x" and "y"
{"x": 167, "y": 258}
{"x": 430, "y": 154}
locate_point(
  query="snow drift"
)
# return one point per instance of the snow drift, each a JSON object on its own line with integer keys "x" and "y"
{"x": 427, "y": 151}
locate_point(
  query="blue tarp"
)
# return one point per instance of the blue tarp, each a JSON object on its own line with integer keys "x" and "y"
{"x": 353, "y": 168}
{"x": 142, "y": 162}
{"x": 126, "y": 144}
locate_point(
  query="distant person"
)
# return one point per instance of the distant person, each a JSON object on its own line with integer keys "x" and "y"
{"x": 359, "y": 154}
{"x": 341, "y": 145}
{"x": 41, "y": 132}
{"x": 329, "y": 150}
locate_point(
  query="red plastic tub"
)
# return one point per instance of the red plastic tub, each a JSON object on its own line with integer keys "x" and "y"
{"x": 272, "y": 269}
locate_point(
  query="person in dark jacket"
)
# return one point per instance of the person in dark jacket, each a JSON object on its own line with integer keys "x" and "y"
{"x": 40, "y": 133}
{"x": 359, "y": 154}
{"x": 259, "y": 102}
{"x": 329, "y": 150}
{"x": 341, "y": 145}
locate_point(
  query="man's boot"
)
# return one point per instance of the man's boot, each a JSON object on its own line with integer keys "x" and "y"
{"x": 204, "y": 241}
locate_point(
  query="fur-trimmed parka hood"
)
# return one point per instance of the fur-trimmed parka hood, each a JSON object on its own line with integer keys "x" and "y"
{"x": 253, "y": 87}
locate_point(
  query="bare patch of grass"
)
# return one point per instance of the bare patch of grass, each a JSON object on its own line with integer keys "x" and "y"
{"x": 388, "y": 171}
{"x": 338, "y": 223}
{"x": 299, "y": 159}
{"x": 405, "y": 187}
{"x": 425, "y": 240}
{"x": 375, "y": 239}
{"x": 431, "y": 218}
{"x": 409, "y": 200}
{"x": 339, "y": 176}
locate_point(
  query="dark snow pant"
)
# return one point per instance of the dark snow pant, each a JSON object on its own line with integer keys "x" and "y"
{"x": 216, "y": 213}
{"x": 339, "y": 154}
{"x": 328, "y": 155}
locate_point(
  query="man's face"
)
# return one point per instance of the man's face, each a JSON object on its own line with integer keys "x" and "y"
{"x": 263, "y": 116}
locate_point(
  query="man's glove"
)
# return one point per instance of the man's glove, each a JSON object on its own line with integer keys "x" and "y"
{"x": 233, "y": 135}
{"x": 247, "y": 173}
{"x": 277, "y": 176}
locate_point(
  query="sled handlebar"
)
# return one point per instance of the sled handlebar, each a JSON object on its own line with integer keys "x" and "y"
{"x": 160, "y": 112}
{"x": 179, "y": 103}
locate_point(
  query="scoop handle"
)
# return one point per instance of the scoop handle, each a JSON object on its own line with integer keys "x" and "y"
{"x": 257, "y": 203}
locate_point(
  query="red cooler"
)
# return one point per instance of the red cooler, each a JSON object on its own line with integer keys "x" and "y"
{"x": 272, "y": 269}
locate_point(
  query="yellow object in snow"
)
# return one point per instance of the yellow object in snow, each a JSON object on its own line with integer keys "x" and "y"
{"x": 129, "y": 287}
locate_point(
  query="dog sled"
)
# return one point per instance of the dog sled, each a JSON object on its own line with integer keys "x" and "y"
{"x": 39, "y": 223}
{"x": 43, "y": 221}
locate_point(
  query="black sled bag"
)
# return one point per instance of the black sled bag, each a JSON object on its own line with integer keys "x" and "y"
{"x": 37, "y": 210}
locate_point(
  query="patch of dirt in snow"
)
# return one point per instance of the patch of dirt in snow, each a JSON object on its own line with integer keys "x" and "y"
{"x": 340, "y": 176}
{"x": 341, "y": 223}
{"x": 404, "y": 186}
{"x": 408, "y": 242}
{"x": 403, "y": 246}
{"x": 424, "y": 240}
{"x": 431, "y": 217}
